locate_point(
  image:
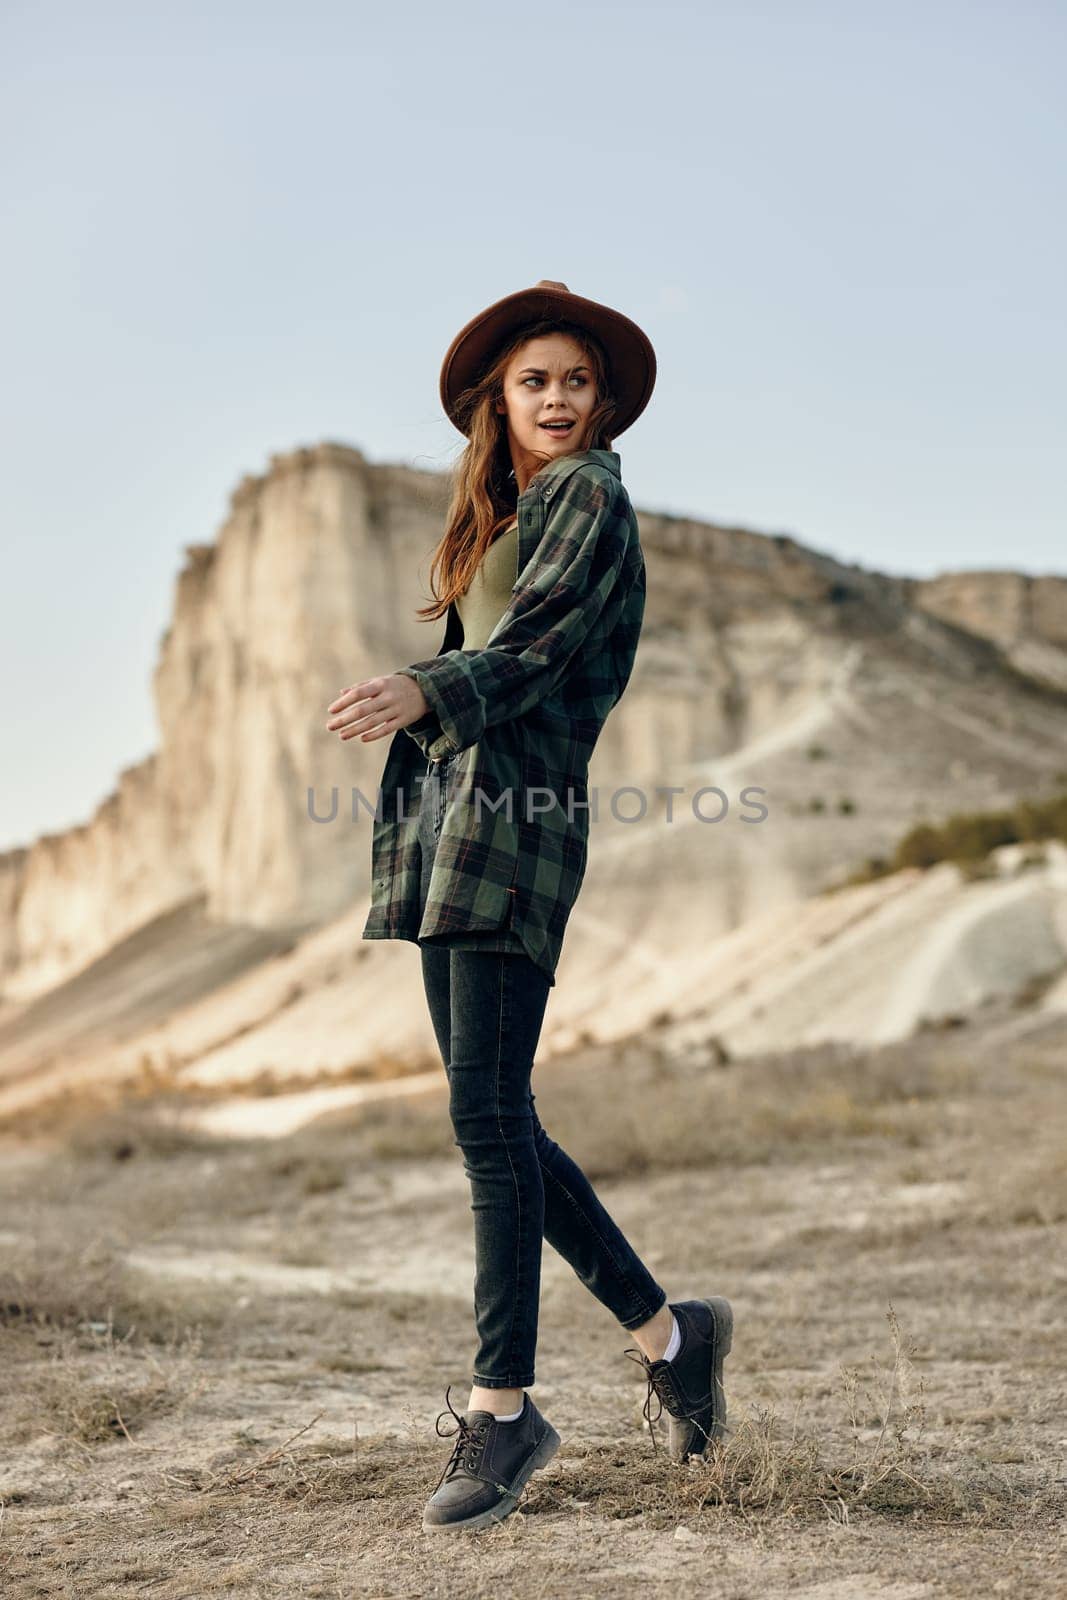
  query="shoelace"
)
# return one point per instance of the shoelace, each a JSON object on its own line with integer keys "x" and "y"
{"x": 662, "y": 1384}
{"x": 470, "y": 1439}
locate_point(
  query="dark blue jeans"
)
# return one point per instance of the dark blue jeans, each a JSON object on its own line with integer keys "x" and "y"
{"x": 487, "y": 1008}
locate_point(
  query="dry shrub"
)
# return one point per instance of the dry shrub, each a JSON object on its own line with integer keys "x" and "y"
{"x": 753, "y": 1111}
{"x": 329, "y": 1471}
{"x": 135, "y": 1129}
{"x": 1031, "y": 1194}
{"x": 64, "y": 1398}
{"x": 115, "y": 1119}
{"x": 408, "y": 1129}
{"x": 766, "y": 1469}
{"x": 89, "y": 1116}
{"x": 798, "y": 1102}
{"x": 62, "y": 1283}
{"x": 84, "y": 1283}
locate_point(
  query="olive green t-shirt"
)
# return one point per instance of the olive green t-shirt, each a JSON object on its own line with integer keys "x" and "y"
{"x": 486, "y": 600}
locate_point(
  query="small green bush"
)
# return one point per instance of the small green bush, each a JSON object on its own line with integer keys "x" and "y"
{"x": 969, "y": 836}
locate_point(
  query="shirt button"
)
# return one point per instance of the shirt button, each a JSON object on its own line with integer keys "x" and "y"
{"x": 547, "y": 493}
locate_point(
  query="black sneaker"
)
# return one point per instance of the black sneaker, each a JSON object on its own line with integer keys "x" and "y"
{"x": 690, "y": 1387}
{"x": 490, "y": 1464}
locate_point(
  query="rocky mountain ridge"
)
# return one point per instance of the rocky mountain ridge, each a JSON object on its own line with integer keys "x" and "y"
{"x": 856, "y": 701}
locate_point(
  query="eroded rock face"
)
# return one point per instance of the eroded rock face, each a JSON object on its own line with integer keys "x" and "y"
{"x": 751, "y": 644}
{"x": 1026, "y": 616}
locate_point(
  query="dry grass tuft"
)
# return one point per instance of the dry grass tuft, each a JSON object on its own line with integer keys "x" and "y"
{"x": 825, "y": 1100}
{"x": 135, "y": 1130}
{"x": 79, "y": 1399}
{"x": 767, "y": 1470}
{"x": 1034, "y": 1194}
{"x": 114, "y": 1119}
{"x": 85, "y": 1285}
{"x": 394, "y": 1474}
{"x": 825, "y": 1097}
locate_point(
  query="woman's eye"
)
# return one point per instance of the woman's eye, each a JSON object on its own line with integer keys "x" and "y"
{"x": 577, "y": 377}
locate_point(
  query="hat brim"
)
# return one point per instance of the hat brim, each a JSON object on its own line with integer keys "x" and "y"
{"x": 631, "y": 358}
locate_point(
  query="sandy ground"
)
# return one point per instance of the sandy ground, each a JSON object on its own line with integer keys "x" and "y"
{"x": 221, "y": 1360}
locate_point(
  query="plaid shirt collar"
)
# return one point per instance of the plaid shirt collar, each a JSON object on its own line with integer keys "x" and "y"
{"x": 553, "y": 473}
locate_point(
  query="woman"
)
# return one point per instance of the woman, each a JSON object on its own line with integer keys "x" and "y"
{"x": 543, "y": 581}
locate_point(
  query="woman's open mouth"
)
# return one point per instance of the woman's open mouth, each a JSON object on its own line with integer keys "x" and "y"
{"x": 557, "y": 427}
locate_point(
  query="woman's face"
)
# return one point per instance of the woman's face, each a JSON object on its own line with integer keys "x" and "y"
{"x": 548, "y": 379}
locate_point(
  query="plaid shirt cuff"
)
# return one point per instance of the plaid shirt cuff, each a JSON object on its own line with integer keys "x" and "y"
{"x": 448, "y": 726}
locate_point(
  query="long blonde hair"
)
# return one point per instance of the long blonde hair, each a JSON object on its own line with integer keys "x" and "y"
{"x": 484, "y": 492}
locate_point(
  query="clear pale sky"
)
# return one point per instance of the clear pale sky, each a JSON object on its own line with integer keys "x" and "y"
{"x": 240, "y": 228}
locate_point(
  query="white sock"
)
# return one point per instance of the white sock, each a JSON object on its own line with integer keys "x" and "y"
{"x": 674, "y": 1343}
{"x": 515, "y": 1415}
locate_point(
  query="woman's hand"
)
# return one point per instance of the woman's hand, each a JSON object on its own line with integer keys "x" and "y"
{"x": 377, "y": 707}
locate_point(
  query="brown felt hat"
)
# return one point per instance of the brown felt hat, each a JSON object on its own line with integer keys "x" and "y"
{"x": 631, "y": 358}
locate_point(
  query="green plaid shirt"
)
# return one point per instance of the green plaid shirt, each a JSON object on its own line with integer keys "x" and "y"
{"x": 526, "y": 711}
